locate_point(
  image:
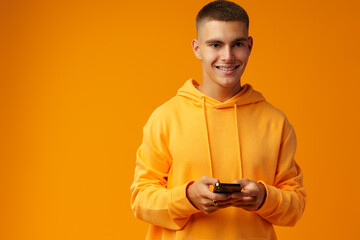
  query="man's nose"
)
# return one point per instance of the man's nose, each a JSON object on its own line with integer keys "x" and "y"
{"x": 227, "y": 55}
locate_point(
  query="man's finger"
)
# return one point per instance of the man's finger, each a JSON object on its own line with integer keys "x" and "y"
{"x": 245, "y": 193}
{"x": 219, "y": 196}
{"x": 223, "y": 202}
{"x": 243, "y": 204}
{"x": 208, "y": 180}
{"x": 225, "y": 205}
{"x": 245, "y": 200}
{"x": 243, "y": 181}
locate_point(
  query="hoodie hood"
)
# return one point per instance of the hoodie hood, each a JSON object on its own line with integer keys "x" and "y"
{"x": 247, "y": 95}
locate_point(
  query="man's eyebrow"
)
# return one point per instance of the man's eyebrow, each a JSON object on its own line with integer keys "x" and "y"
{"x": 240, "y": 39}
{"x": 213, "y": 41}
{"x": 219, "y": 42}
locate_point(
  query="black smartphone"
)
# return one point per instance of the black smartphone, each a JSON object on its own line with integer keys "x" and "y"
{"x": 227, "y": 188}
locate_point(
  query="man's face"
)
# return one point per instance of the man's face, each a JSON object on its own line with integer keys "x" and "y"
{"x": 224, "y": 49}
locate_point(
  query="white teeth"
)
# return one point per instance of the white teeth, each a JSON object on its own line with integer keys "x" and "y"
{"x": 227, "y": 69}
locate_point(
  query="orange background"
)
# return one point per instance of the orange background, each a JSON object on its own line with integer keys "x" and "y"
{"x": 79, "y": 80}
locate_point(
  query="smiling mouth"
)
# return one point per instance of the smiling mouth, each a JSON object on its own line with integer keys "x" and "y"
{"x": 227, "y": 69}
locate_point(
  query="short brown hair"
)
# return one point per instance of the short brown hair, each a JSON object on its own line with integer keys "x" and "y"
{"x": 222, "y": 10}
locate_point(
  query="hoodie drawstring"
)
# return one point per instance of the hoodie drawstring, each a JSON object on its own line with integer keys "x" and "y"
{"x": 203, "y": 99}
{"x": 238, "y": 141}
{"x": 207, "y": 137}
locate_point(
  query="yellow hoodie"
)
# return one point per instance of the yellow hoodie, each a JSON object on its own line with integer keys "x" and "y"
{"x": 193, "y": 135}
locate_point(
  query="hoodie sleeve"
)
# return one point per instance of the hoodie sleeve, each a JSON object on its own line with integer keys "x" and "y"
{"x": 151, "y": 200}
{"x": 286, "y": 197}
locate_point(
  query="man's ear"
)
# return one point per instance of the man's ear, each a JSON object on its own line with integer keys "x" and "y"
{"x": 196, "y": 48}
{"x": 250, "y": 43}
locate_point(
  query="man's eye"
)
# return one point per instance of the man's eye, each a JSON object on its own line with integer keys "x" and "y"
{"x": 214, "y": 45}
{"x": 239, "y": 44}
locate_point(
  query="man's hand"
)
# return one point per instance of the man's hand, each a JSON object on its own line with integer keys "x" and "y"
{"x": 252, "y": 196}
{"x": 202, "y": 198}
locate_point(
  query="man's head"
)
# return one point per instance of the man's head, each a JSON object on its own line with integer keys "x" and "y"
{"x": 222, "y": 11}
{"x": 223, "y": 44}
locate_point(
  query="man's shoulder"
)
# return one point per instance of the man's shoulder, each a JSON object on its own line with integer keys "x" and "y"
{"x": 266, "y": 109}
{"x": 275, "y": 116}
{"x": 167, "y": 107}
{"x": 165, "y": 111}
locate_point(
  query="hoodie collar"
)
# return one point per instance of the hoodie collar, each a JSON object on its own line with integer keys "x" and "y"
{"x": 247, "y": 95}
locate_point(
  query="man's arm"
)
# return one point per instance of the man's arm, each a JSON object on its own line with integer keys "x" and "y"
{"x": 286, "y": 197}
{"x": 282, "y": 202}
{"x": 151, "y": 200}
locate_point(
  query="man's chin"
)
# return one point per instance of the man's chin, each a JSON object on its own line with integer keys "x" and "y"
{"x": 229, "y": 83}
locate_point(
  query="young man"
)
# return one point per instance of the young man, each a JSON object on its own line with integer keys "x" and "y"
{"x": 218, "y": 131}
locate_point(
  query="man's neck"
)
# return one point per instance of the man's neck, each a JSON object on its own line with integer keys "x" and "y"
{"x": 218, "y": 92}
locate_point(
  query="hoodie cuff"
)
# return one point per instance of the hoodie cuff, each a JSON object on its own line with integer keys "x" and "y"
{"x": 180, "y": 203}
{"x": 271, "y": 201}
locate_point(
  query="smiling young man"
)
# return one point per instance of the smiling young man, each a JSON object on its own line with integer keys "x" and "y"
{"x": 224, "y": 48}
{"x": 218, "y": 131}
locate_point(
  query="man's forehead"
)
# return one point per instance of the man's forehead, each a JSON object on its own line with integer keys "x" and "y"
{"x": 208, "y": 21}
{"x": 215, "y": 29}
